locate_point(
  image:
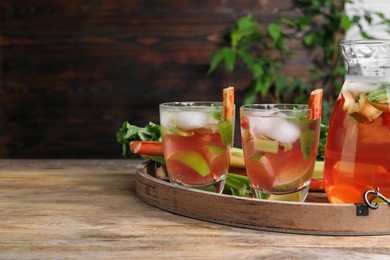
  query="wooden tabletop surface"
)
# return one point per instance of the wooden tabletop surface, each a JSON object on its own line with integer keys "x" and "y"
{"x": 90, "y": 209}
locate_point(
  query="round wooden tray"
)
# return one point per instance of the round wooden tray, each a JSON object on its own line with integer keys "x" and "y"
{"x": 315, "y": 216}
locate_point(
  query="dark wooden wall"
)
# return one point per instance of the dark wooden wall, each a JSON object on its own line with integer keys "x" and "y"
{"x": 71, "y": 71}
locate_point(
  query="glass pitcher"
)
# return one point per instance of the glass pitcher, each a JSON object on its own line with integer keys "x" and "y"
{"x": 357, "y": 154}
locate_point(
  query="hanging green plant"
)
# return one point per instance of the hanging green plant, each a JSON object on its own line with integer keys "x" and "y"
{"x": 263, "y": 51}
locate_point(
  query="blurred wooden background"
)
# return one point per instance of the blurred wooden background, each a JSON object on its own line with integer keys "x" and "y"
{"x": 71, "y": 71}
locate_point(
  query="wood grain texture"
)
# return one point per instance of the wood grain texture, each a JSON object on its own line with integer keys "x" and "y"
{"x": 89, "y": 209}
{"x": 300, "y": 218}
{"x": 72, "y": 71}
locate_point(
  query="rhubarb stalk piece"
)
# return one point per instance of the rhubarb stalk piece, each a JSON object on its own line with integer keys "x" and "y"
{"x": 315, "y": 104}
{"x": 153, "y": 148}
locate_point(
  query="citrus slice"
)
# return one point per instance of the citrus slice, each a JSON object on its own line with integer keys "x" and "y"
{"x": 212, "y": 149}
{"x": 193, "y": 160}
{"x": 291, "y": 177}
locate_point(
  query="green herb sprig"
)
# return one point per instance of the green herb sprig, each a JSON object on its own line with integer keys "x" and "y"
{"x": 129, "y": 132}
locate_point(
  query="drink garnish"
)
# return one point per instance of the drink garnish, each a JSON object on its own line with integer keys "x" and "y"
{"x": 175, "y": 130}
{"x": 228, "y": 103}
{"x": 225, "y": 125}
{"x": 266, "y": 145}
{"x": 193, "y": 160}
{"x": 285, "y": 147}
{"x": 379, "y": 96}
{"x": 315, "y": 104}
{"x": 306, "y": 141}
{"x": 287, "y": 179}
{"x": 307, "y": 137}
{"x": 149, "y": 148}
{"x": 361, "y": 111}
{"x": 365, "y": 108}
{"x": 129, "y": 132}
{"x": 380, "y": 99}
{"x": 226, "y": 132}
{"x": 214, "y": 149}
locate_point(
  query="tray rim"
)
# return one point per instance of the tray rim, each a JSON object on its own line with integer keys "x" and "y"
{"x": 170, "y": 197}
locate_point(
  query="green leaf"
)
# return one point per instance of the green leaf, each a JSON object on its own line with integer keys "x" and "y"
{"x": 310, "y": 39}
{"x": 244, "y": 27}
{"x": 345, "y": 22}
{"x": 286, "y": 21}
{"x": 368, "y": 19}
{"x": 128, "y": 133}
{"x": 158, "y": 159}
{"x": 257, "y": 71}
{"x": 250, "y": 95}
{"x": 355, "y": 19}
{"x": 322, "y": 142}
{"x": 150, "y": 132}
{"x": 236, "y": 186}
{"x": 226, "y": 131}
{"x": 218, "y": 57}
{"x": 274, "y": 31}
{"x": 230, "y": 58}
{"x": 281, "y": 83}
{"x": 265, "y": 56}
{"x": 306, "y": 140}
{"x": 366, "y": 35}
{"x": 248, "y": 58}
{"x": 263, "y": 85}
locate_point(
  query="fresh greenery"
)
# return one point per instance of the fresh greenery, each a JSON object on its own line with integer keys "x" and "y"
{"x": 321, "y": 145}
{"x": 152, "y": 132}
{"x": 320, "y": 26}
{"x": 226, "y": 132}
{"x": 129, "y": 132}
{"x": 236, "y": 184}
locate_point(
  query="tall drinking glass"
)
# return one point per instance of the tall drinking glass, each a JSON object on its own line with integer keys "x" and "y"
{"x": 197, "y": 143}
{"x": 280, "y": 145}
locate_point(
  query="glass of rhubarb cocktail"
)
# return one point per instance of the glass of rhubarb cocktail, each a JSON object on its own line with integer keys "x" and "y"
{"x": 280, "y": 144}
{"x": 197, "y": 139}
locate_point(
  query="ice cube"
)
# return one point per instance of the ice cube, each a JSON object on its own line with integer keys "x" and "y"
{"x": 276, "y": 128}
{"x": 166, "y": 119}
{"x": 189, "y": 120}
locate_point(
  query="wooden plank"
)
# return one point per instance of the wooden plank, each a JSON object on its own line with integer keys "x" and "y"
{"x": 89, "y": 209}
{"x": 75, "y": 67}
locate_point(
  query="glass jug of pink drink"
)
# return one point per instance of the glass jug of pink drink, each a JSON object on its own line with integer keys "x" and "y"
{"x": 357, "y": 155}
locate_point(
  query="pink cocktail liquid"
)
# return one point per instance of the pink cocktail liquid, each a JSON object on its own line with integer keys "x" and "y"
{"x": 357, "y": 155}
{"x": 277, "y": 165}
{"x": 202, "y": 142}
{"x": 197, "y": 143}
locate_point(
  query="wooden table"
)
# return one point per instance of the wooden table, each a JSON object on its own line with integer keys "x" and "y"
{"x": 90, "y": 209}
